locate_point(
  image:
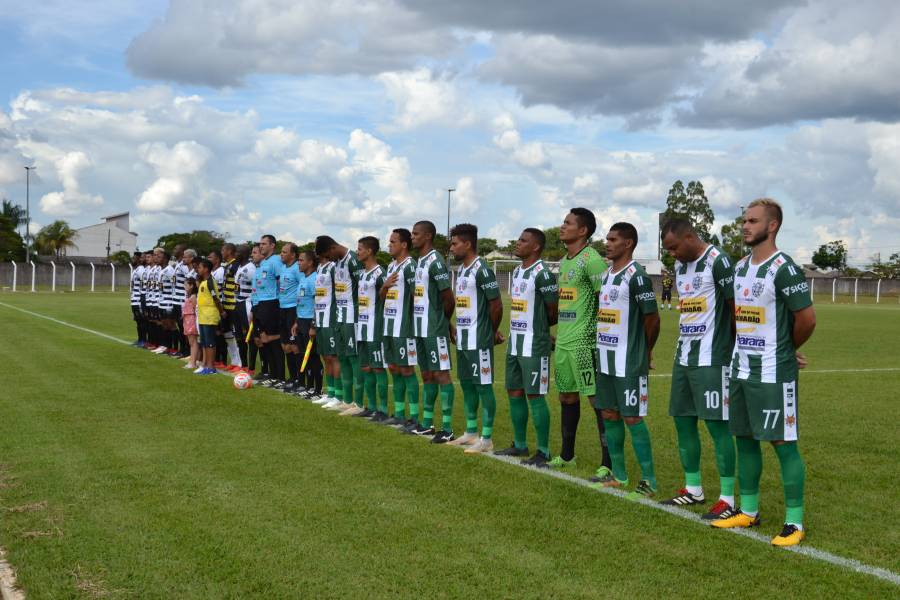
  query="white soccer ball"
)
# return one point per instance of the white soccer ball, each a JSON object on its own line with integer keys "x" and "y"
{"x": 243, "y": 381}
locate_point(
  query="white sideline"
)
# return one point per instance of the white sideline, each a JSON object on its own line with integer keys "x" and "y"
{"x": 806, "y": 550}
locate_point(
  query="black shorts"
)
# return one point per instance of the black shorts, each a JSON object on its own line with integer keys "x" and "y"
{"x": 266, "y": 315}
{"x": 175, "y": 313}
{"x": 136, "y": 312}
{"x": 288, "y": 317}
{"x": 238, "y": 319}
{"x": 303, "y": 327}
{"x": 667, "y": 295}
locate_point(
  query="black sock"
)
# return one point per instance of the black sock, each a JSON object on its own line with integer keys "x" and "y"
{"x": 606, "y": 461}
{"x": 252, "y": 353}
{"x": 242, "y": 351}
{"x": 292, "y": 365}
{"x": 569, "y": 417}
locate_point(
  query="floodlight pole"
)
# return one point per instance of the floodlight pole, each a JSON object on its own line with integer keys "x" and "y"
{"x": 28, "y": 210}
{"x": 449, "y": 191}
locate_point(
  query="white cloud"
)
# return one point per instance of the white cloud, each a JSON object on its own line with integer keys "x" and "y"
{"x": 530, "y": 155}
{"x": 71, "y": 200}
{"x": 420, "y": 98}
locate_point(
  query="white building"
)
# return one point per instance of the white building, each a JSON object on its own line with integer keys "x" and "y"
{"x": 107, "y": 238}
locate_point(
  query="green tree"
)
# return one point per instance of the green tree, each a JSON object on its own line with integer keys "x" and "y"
{"x": 14, "y": 213}
{"x": 121, "y": 258}
{"x": 486, "y": 246}
{"x": 692, "y": 204}
{"x": 200, "y": 240}
{"x": 11, "y": 245}
{"x": 832, "y": 255}
{"x": 554, "y": 249}
{"x": 733, "y": 239}
{"x": 56, "y": 239}
{"x": 889, "y": 269}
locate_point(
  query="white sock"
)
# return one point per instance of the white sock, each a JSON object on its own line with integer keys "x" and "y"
{"x": 696, "y": 490}
{"x": 234, "y": 355}
{"x": 750, "y": 514}
{"x": 728, "y": 499}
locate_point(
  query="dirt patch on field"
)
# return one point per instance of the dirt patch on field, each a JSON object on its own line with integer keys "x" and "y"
{"x": 8, "y": 590}
{"x": 33, "y": 507}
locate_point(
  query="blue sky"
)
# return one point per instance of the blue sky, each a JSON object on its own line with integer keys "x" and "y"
{"x": 351, "y": 118}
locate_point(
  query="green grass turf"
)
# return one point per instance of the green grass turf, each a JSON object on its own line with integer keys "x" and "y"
{"x": 160, "y": 484}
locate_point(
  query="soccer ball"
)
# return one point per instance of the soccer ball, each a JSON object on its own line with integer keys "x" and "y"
{"x": 243, "y": 381}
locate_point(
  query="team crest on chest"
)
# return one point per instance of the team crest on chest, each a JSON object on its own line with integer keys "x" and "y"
{"x": 758, "y": 289}
{"x": 698, "y": 282}
{"x": 613, "y": 294}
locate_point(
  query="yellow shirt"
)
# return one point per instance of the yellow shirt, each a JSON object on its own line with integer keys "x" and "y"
{"x": 207, "y": 313}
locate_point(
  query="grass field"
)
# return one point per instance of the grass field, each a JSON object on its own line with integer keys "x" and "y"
{"x": 122, "y": 475}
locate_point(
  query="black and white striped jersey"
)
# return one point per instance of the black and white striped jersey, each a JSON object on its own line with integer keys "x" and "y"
{"x": 244, "y": 280}
{"x": 136, "y": 283}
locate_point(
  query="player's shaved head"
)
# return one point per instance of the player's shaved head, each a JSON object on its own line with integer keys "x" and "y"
{"x": 538, "y": 236}
{"x": 426, "y": 227}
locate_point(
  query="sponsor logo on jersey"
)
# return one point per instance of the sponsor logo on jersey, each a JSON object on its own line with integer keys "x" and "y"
{"x": 321, "y": 292}
{"x": 341, "y": 287}
{"x": 692, "y": 305}
{"x": 519, "y": 305}
{"x": 795, "y": 289}
{"x": 691, "y": 330}
{"x": 362, "y": 318}
{"x": 515, "y": 325}
{"x": 750, "y": 314}
{"x": 567, "y": 315}
{"x": 390, "y": 312}
{"x": 463, "y": 302}
{"x": 610, "y": 316}
{"x": 419, "y": 291}
{"x": 605, "y": 339}
{"x": 463, "y": 321}
{"x": 363, "y": 301}
{"x": 645, "y": 296}
{"x": 392, "y": 294}
{"x": 567, "y": 294}
{"x": 751, "y": 342}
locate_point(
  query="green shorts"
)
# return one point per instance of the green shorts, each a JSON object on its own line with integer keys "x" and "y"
{"x": 764, "y": 411}
{"x": 475, "y": 366}
{"x": 575, "y": 370}
{"x": 371, "y": 354}
{"x": 529, "y": 373}
{"x": 627, "y": 395}
{"x": 699, "y": 392}
{"x": 346, "y": 339}
{"x": 326, "y": 341}
{"x": 434, "y": 353}
{"x": 400, "y": 352}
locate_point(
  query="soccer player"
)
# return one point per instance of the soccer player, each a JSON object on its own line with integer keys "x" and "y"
{"x": 533, "y": 310}
{"x": 579, "y": 282}
{"x": 326, "y": 320}
{"x": 243, "y": 279}
{"x": 266, "y": 313}
{"x": 774, "y": 317}
{"x": 432, "y": 308}
{"x": 304, "y": 330}
{"x": 137, "y": 274}
{"x": 705, "y": 281}
{"x": 627, "y": 328}
{"x": 399, "y": 344}
{"x": 158, "y": 346}
{"x": 478, "y": 315}
{"x": 370, "y": 330}
{"x": 288, "y": 284}
{"x": 347, "y": 270}
{"x": 667, "y": 289}
{"x": 229, "y": 302}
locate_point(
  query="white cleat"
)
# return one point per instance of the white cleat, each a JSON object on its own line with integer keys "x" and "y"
{"x": 198, "y": 369}
{"x": 482, "y": 445}
{"x": 466, "y": 439}
{"x": 333, "y": 404}
{"x": 323, "y": 399}
{"x": 189, "y": 367}
{"x": 353, "y": 410}
{"x": 160, "y": 350}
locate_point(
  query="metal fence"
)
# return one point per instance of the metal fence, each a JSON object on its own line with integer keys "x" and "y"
{"x": 63, "y": 276}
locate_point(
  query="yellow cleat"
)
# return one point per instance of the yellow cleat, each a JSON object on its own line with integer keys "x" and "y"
{"x": 738, "y": 520}
{"x": 791, "y": 535}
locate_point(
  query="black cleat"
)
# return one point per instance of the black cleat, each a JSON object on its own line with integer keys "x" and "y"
{"x": 394, "y": 422}
{"x": 409, "y": 427}
{"x": 539, "y": 460}
{"x": 442, "y": 437}
{"x": 365, "y": 414}
{"x": 512, "y": 451}
{"x": 379, "y": 417}
{"x": 423, "y": 431}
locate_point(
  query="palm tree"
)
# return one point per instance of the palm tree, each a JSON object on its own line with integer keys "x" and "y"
{"x": 13, "y": 212}
{"x": 56, "y": 238}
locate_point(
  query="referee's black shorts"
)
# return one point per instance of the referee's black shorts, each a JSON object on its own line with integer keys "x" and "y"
{"x": 288, "y": 318}
{"x": 266, "y": 315}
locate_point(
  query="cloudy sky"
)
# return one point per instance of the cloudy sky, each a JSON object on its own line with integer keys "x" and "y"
{"x": 300, "y": 117}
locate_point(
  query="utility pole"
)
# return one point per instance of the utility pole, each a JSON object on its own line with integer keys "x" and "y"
{"x": 28, "y": 211}
{"x": 449, "y": 191}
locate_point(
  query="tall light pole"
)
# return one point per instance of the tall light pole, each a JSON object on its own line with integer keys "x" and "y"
{"x": 28, "y": 211}
{"x": 449, "y": 191}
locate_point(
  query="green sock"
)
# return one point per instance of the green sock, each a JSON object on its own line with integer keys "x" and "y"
{"x": 749, "y": 471}
{"x": 793, "y": 475}
{"x": 725, "y": 456}
{"x": 370, "y": 387}
{"x": 338, "y": 388}
{"x": 640, "y": 441}
{"x": 381, "y": 381}
{"x": 399, "y": 396}
{"x": 689, "y": 449}
{"x": 357, "y": 380}
{"x": 412, "y": 392}
{"x": 540, "y": 414}
{"x": 518, "y": 412}
{"x": 347, "y": 379}
{"x": 447, "y": 393}
{"x": 430, "y": 391}
{"x": 329, "y": 383}
{"x": 489, "y": 409}
{"x": 470, "y": 400}
{"x": 615, "y": 440}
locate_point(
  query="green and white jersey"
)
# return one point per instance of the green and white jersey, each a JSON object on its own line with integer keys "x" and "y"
{"x": 704, "y": 285}
{"x": 346, "y": 279}
{"x": 579, "y": 282}
{"x": 766, "y": 296}
{"x": 625, "y": 298}
{"x": 432, "y": 278}
{"x": 398, "y": 300}
{"x": 369, "y": 306}
{"x": 325, "y": 307}
{"x": 476, "y": 286}
{"x": 529, "y": 328}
